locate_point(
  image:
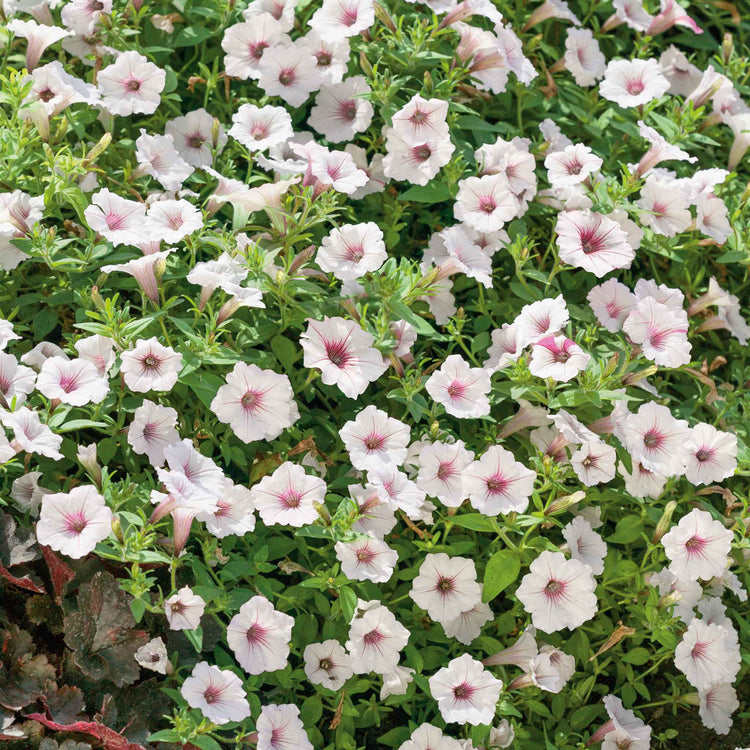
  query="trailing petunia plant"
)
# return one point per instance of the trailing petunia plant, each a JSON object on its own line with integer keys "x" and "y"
{"x": 374, "y": 374}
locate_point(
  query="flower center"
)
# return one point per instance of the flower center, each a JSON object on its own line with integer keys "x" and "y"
{"x": 291, "y": 499}
{"x": 374, "y": 442}
{"x": 694, "y": 545}
{"x": 250, "y": 400}
{"x": 635, "y": 87}
{"x": 456, "y": 389}
{"x": 133, "y": 85}
{"x": 150, "y": 361}
{"x": 445, "y": 585}
{"x": 337, "y": 353}
{"x": 325, "y": 664}
{"x": 422, "y": 153}
{"x": 652, "y": 439}
{"x": 211, "y": 694}
{"x": 487, "y": 204}
{"x": 324, "y": 59}
{"x": 463, "y": 691}
{"x": 286, "y": 77}
{"x": 195, "y": 141}
{"x": 703, "y": 454}
{"x": 445, "y": 471}
{"x": 373, "y": 638}
{"x": 496, "y": 484}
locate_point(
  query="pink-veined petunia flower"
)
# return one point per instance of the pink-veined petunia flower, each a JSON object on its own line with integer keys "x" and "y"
{"x": 558, "y": 593}
{"x": 217, "y": 693}
{"x": 711, "y": 455}
{"x": 279, "y": 727}
{"x": 572, "y": 165}
{"x": 417, "y": 163}
{"x": 158, "y": 157}
{"x": 706, "y": 655}
{"x": 467, "y": 626}
{"x": 150, "y": 366}
{"x": 631, "y": 83}
{"x": 30, "y": 434}
{"x": 184, "y": 609}
{"x": 461, "y": 389}
{"x": 441, "y": 470}
{"x": 259, "y": 636}
{"x": 75, "y": 382}
{"x": 656, "y": 439}
{"x": 288, "y": 71}
{"x": 557, "y": 357}
{"x": 375, "y": 640}
{"x": 327, "y": 664}
{"x": 288, "y": 496}
{"x": 16, "y": 381}
{"x": 548, "y": 670}
{"x": 153, "y": 655}
{"x": 152, "y": 430}
{"x": 131, "y": 85}
{"x": 341, "y": 111}
{"x": 74, "y": 522}
{"x": 344, "y": 354}
{"x": 591, "y": 241}
{"x": 257, "y": 404}
{"x": 446, "y": 586}
{"x": 197, "y": 136}
{"x": 366, "y": 560}
{"x": 661, "y": 332}
{"x": 429, "y": 737}
{"x": 244, "y": 44}
{"x": 717, "y": 704}
{"x": 373, "y": 438}
{"x": 624, "y": 728}
{"x": 99, "y": 350}
{"x": 234, "y": 513}
{"x": 583, "y": 58}
{"x": 698, "y": 546}
{"x": 465, "y": 691}
{"x": 172, "y": 220}
{"x": 258, "y": 128}
{"x": 485, "y": 203}
{"x": 118, "y": 220}
{"x": 497, "y": 483}
{"x": 421, "y": 120}
{"x": 664, "y": 207}
{"x": 143, "y": 270}
{"x": 611, "y": 302}
{"x": 585, "y": 544}
{"x": 352, "y": 250}
{"x": 539, "y": 319}
{"x": 38, "y": 37}
{"x": 335, "y": 19}
{"x": 594, "y": 463}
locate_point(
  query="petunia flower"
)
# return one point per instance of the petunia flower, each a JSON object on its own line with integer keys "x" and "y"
{"x": 38, "y": 37}
{"x": 698, "y": 546}
{"x": 539, "y": 319}
{"x": 485, "y": 203}
{"x": 497, "y": 483}
{"x": 31, "y": 434}
{"x": 623, "y": 727}
{"x": 558, "y": 593}
{"x": 131, "y": 85}
{"x": 327, "y": 664}
{"x": 288, "y": 71}
{"x": 184, "y": 609}
{"x": 143, "y": 270}
{"x": 341, "y": 110}
{"x": 217, "y": 693}
{"x": 366, "y": 560}
{"x": 194, "y": 134}
{"x": 583, "y": 58}
{"x": 244, "y": 44}
{"x": 446, "y": 586}
{"x": 332, "y": 56}
{"x": 375, "y": 640}
{"x": 705, "y": 655}
{"x": 288, "y": 496}
{"x": 153, "y": 656}
{"x": 571, "y": 165}
{"x": 118, "y": 220}
{"x": 664, "y": 207}
{"x": 717, "y": 704}
{"x": 342, "y": 18}
{"x": 150, "y": 366}
{"x": 467, "y": 626}
{"x": 711, "y": 455}
{"x": 631, "y": 83}
{"x": 656, "y": 439}
{"x": 172, "y": 220}
{"x": 611, "y": 303}
{"x": 344, "y": 354}
{"x": 461, "y": 389}
{"x": 158, "y": 157}
{"x": 465, "y": 692}
{"x": 257, "y": 404}
{"x": 585, "y": 544}
{"x": 99, "y": 350}
{"x": 152, "y": 430}
{"x": 429, "y": 737}
{"x": 352, "y": 250}
{"x": 557, "y": 357}
{"x": 74, "y": 522}
{"x": 258, "y": 128}
{"x": 589, "y": 240}
{"x": 441, "y": 470}
{"x": 279, "y": 727}
{"x": 259, "y": 636}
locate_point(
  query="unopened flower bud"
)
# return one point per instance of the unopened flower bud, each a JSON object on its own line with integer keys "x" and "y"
{"x": 382, "y": 15}
{"x": 364, "y": 64}
{"x": 97, "y": 298}
{"x": 301, "y": 258}
{"x": 692, "y": 699}
{"x": 215, "y": 132}
{"x": 561, "y": 504}
{"x": 323, "y": 513}
{"x": 673, "y": 597}
{"x": 159, "y": 267}
{"x": 666, "y": 518}
{"x": 87, "y": 458}
{"x": 98, "y": 149}
{"x": 727, "y": 47}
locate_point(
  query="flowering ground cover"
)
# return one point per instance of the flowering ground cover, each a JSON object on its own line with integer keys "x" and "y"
{"x": 374, "y": 375}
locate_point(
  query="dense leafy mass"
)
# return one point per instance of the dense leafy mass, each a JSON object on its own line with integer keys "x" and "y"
{"x": 374, "y": 374}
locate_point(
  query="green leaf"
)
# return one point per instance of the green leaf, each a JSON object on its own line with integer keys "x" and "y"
{"x": 348, "y": 602}
{"x": 502, "y": 569}
{"x": 311, "y": 711}
{"x": 474, "y": 521}
{"x": 434, "y": 192}
{"x": 636, "y": 656}
{"x": 192, "y": 36}
{"x": 205, "y": 742}
{"x": 628, "y": 529}
{"x": 286, "y": 352}
{"x": 195, "y": 637}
